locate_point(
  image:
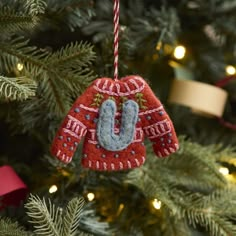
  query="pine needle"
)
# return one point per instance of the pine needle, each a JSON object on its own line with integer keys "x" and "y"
{"x": 9, "y": 228}
{"x": 35, "y": 7}
{"x": 46, "y": 220}
{"x": 72, "y": 216}
{"x": 176, "y": 183}
{"x": 11, "y": 21}
{"x": 57, "y": 73}
{"x": 19, "y": 88}
{"x": 54, "y": 221}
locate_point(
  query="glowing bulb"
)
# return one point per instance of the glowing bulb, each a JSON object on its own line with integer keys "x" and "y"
{"x": 120, "y": 209}
{"x": 156, "y": 204}
{"x": 179, "y": 52}
{"x": 123, "y": 28}
{"x": 20, "y": 66}
{"x": 230, "y": 70}
{"x": 224, "y": 170}
{"x": 90, "y": 196}
{"x": 158, "y": 46}
{"x": 53, "y": 189}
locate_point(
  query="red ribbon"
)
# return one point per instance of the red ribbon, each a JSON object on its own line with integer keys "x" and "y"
{"x": 222, "y": 83}
{"x": 12, "y": 189}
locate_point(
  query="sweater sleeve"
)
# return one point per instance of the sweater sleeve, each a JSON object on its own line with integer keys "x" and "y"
{"x": 73, "y": 129}
{"x": 158, "y": 126}
{"x": 69, "y": 135}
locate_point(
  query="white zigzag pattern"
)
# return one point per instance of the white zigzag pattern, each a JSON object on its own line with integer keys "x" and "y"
{"x": 118, "y": 93}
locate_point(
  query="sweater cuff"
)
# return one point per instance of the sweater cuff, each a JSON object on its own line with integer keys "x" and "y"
{"x": 165, "y": 145}
{"x": 67, "y": 138}
{"x": 59, "y": 151}
{"x": 64, "y": 145}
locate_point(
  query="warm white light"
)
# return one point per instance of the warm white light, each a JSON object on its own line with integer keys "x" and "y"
{"x": 90, "y": 196}
{"x": 123, "y": 28}
{"x": 224, "y": 170}
{"x": 179, "y": 52}
{"x": 53, "y": 189}
{"x": 230, "y": 70}
{"x": 156, "y": 204}
{"x": 120, "y": 209}
{"x": 20, "y": 66}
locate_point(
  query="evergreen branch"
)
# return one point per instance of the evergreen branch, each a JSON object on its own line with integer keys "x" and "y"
{"x": 36, "y": 7}
{"x": 49, "y": 220}
{"x": 8, "y": 62}
{"x": 90, "y": 222}
{"x": 152, "y": 188}
{"x": 80, "y": 54}
{"x": 11, "y": 21}
{"x": 33, "y": 114}
{"x": 56, "y": 71}
{"x": 227, "y": 155}
{"x": 156, "y": 25}
{"x": 206, "y": 211}
{"x": 166, "y": 180}
{"x": 225, "y": 26}
{"x": 17, "y": 88}
{"x": 35, "y": 62}
{"x": 222, "y": 202}
{"x": 174, "y": 226}
{"x": 143, "y": 26}
{"x": 51, "y": 91}
{"x": 78, "y": 80}
{"x": 226, "y": 7}
{"x": 195, "y": 166}
{"x": 30, "y": 56}
{"x": 221, "y": 226}
{"x": 73, "y": 13}
{"x": 72, "y": 217}
{"x": 46, "y": 220}
{"x": 9, "y": 228}
{"x": 79, "y": 17}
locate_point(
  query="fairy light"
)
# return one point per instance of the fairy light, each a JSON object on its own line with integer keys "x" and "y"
{"x": 53, "y": 189}
{"x": 20, "y": 66}
{"x": 123, "y": 28}
{"x": 224, "y": 170}
{"x": 230, "y": 70}
{"x": 90, "y": 196}
{"x": 156, "y": 204}
{"x": 120, "y": 209}
{"x": 158, "y": 46}
{"x": 179, "y": 52}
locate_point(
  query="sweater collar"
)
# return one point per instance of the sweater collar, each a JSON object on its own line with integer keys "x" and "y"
{"x": 125, "y": 86}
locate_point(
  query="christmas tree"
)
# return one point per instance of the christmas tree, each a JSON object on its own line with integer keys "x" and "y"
{"x": 51, "y": 51}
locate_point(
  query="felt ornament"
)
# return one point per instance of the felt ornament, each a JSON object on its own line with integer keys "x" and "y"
{"x": 113, "y": 117}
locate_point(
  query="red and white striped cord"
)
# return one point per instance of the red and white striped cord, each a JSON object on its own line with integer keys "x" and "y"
{"x": 116, "y": 12}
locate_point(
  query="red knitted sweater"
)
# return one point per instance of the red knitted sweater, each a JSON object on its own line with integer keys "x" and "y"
{"x": 81, "y": 121}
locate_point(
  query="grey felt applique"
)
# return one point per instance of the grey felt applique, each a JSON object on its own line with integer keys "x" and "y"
{"x": 105, "y": 126}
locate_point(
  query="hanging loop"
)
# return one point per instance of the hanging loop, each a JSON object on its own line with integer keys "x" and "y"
{"x": 116, "y": 12}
